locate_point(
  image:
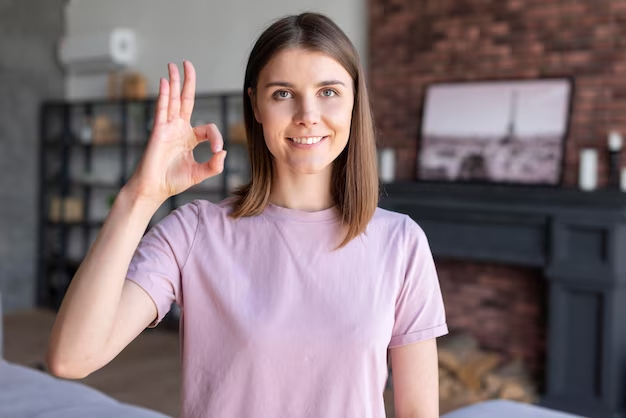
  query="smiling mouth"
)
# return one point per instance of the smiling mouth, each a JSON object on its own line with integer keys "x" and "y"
{"x": 307, "y": 140}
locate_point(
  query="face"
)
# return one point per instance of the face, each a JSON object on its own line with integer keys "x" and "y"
{"x": 304, "y": 102}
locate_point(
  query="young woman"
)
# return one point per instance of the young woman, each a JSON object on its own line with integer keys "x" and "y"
{"x": 293, "y": 290}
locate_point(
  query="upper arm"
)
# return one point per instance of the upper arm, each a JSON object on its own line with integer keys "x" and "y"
{"x": 415, "y": 375}
{"x": 419, "y": 310}
{"x": 136, "y": 310}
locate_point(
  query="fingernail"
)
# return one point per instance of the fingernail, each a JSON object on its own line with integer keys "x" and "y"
{"x": 218, "y": 148}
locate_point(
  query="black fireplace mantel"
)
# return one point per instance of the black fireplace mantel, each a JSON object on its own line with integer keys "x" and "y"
{"x": 578, "y": 239}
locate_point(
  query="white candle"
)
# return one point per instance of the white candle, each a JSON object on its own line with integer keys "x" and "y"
{"x": 387, "y": 169}
{"x": 588, "y": 169}
{"x": 615, "y": 141}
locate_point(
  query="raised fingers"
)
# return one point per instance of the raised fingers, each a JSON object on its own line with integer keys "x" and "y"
{"x": 189, "y": 91}
{"x": 173, "y": 110}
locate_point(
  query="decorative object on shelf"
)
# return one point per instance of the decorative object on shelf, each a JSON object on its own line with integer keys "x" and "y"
{"x": 69, "y": 209}
{"x": 623, "y": 180}
{"x": 93, "y": 175}
{"x": 387, "y": 165}
{"x": 130, "y": 85}
{"x": 111, "y": 200}
{"x": 237, "y": 133}
{"x": 495, "y": 131}
{"x": 588, "y": 169}
{"x": 615, "y": 143}
{"x": 104, "y": 131}
{"x": 135, "y": 86}
{"x": 86, "y": 132}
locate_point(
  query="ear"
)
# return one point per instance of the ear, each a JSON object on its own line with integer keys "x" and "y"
{"x": 255, "y": 109}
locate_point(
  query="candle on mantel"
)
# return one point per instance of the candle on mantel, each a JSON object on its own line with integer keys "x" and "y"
{"x": 615, "y": 141}
{"x": 387, "y": 168}
{"x": 588, "y": 169}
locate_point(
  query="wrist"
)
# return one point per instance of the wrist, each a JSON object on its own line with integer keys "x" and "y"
{"x": 131, "y": 197}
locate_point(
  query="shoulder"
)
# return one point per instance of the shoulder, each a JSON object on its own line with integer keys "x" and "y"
{"x": 190, "y": 213}
{"x": 218, "y": 213}
{"x": 397, "y": 223}
{"x": 205, "y": 208}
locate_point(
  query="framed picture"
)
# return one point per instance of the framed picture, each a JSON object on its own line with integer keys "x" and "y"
{"x": 496, "y": 132}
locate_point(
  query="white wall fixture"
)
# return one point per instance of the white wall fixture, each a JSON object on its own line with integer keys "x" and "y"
{"x": 100, "y": 52}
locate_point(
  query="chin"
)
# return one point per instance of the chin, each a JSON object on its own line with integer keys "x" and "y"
{"x": 306, "y": 169}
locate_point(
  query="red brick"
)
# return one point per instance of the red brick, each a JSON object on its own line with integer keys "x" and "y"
{"x": 443, "y": 41}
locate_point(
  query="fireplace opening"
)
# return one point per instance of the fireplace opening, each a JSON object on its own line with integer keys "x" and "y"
{"x": 497, "y": 316}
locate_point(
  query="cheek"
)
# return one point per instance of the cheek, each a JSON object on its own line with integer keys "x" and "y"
{"x": 340, "y": 117}
{"x": 273, "y": 113}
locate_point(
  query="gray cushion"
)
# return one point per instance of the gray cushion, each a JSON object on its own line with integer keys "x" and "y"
{"x": 1, "y": 321}
{"x": 508, "y": 409}
{"x": 28, "y": 393}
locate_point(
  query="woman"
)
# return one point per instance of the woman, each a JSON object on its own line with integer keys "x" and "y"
{"x": 292, "y": 291}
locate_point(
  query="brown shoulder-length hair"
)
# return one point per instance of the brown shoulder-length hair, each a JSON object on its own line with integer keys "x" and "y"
{"x": 355, "y": 175}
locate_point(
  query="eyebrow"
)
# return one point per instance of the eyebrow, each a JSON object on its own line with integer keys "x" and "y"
{"x": 289, "y": 85}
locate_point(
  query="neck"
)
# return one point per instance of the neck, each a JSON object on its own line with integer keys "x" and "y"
{"x": 307, "y": 192}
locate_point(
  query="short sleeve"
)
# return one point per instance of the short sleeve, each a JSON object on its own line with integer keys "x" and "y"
{"x": 161, "y": 255}
{"x": 420, "y": 313}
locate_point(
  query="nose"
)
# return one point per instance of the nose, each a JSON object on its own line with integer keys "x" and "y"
{"x": 308, "y": 112}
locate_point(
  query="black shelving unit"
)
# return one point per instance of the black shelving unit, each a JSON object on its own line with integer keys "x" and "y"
{"x": 88, "y": 150}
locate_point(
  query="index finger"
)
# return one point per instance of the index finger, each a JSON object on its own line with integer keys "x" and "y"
{"x": 189, "y": 91}
{"x": 211, "y": 133}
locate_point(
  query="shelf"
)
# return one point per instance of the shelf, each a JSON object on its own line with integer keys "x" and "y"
{"x": 96, "y": 184}
{"x": 89, "y": 224}
{"x": 119, "y": 144}
{"x": 74, "y": 144}
{"x": 85, "y": 176}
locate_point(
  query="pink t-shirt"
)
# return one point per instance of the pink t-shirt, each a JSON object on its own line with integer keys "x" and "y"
{"x": 274, "y": 322}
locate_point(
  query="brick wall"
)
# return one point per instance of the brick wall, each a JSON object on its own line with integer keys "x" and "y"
{"x": 413, "y": 43}
{"x": 504, "y": 307}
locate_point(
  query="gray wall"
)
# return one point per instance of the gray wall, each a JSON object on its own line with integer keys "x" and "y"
{"x": 217, "y": 35}
{"x": 29, "y": 74}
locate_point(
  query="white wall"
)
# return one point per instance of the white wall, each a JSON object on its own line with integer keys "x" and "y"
{"x": 216, "y": 36}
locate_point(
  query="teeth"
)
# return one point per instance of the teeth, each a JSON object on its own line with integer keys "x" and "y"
{"x": 309, "y": 140}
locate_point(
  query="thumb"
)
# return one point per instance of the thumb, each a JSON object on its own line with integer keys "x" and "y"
{"x": 214, "y": 166}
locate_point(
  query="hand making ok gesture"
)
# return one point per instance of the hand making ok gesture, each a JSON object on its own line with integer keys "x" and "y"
{"x": 168, "y": 166}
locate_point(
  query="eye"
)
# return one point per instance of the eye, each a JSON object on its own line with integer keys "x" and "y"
{"x": 329, "y": 93}
{"x": 281, "y": 94}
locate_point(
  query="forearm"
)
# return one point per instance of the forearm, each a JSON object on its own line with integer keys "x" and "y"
{"x": 86, "y": 316}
